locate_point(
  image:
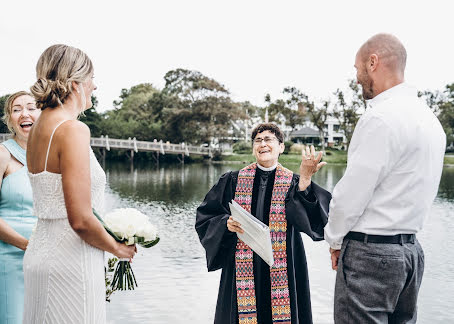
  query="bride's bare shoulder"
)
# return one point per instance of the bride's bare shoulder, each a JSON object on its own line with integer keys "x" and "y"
{"x": 72, "y": 130}
{"x": 74, "y": 126}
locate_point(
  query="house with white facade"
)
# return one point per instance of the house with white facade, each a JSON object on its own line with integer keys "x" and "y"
{"x": 309, "y": 134}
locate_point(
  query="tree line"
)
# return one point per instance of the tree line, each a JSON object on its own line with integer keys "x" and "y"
{"x": 194, "y": 108}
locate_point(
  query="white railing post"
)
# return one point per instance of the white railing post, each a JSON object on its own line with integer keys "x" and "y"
{"x": 135, "y": 144}
{"x": 162, "y": 147}
{"x": 107, "y": 143}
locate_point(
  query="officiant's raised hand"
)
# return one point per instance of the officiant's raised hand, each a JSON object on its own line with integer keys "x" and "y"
{"x": 310, "y": 164}
{"x": 234, "y": 226}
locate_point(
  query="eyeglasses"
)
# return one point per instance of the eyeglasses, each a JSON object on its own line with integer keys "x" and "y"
{"x": 268, "y": 140}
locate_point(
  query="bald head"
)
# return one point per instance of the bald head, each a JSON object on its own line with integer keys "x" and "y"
{"x": 390, "y": 51}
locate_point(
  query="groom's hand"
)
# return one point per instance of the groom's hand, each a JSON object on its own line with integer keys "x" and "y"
{"x": 334, "y": 258}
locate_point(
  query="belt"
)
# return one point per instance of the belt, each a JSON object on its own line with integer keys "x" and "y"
{"x": 394, "y": 239}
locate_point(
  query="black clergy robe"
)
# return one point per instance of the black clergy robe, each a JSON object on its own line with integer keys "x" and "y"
{"x": 305, "y": 211}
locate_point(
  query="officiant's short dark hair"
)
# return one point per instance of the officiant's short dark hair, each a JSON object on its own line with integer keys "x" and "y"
{"x": 268, "y": 127}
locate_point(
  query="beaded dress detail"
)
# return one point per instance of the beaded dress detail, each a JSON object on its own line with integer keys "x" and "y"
{"x": 64, "y": 275}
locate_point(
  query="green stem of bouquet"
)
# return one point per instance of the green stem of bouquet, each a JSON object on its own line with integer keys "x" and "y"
{"x": 124, "y": 278}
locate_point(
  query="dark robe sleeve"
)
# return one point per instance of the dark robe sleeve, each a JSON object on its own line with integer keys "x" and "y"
{"x": 211, "y": 222}
{"x": 308, "y": 212}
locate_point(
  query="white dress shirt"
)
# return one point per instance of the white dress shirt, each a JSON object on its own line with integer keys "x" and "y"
{"x": 393, "y": 171}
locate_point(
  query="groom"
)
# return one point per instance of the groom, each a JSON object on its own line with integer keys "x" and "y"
{"x": 394, "y": 167}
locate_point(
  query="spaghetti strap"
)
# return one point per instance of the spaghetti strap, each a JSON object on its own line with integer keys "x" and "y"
{"x": 50, "y": 141}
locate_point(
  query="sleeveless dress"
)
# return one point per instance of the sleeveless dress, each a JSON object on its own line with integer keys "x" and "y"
{"x": 16, "y": 208}
{"x": 64, "y": 275}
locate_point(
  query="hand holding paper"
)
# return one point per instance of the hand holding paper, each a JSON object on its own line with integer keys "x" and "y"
{"x": 255, "y": 233}
{"x": 234, "y": 226}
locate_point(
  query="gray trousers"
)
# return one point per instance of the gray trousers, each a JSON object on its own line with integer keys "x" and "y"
{"x": 378, "y": 283}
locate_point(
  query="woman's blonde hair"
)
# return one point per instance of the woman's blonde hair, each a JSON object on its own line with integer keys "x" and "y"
{"x": 8, "y": 109}
{"x": 57, "y": 68}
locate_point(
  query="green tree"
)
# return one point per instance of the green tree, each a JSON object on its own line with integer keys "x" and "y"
{"x": 295, "y": 111}
{"x": 3, "y": 127}
{"x": 198, "y": 108}
{"x": 291, "y": 109}
{"x": 296, "y": 108}
{"x": 135, "y": 101}
{"x": 192, "y": 85}
{"x": 134, "y": 115}
{"x": 92, "y": 118}
{"x": 318, "y": 114}
{"x": 442, "y": 104}
{"x": 275, "y": 109}
{"x": 446, "y": 114}
{"x": 251, "y": 113}
{"x": 348, "y": 113}
{"x": 433, "y": 99}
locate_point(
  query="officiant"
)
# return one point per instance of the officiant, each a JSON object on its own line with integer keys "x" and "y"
{"x": 250, "y": 290}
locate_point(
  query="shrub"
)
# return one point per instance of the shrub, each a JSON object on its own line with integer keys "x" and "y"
{"x": 288, "y": 144}
{"x": 297, "y": 148}
{"x": 242, "y": 148}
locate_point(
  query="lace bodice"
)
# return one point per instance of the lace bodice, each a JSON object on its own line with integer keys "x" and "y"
{"x": 48, "y": 198}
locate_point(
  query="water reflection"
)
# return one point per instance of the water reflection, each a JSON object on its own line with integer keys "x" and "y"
{"x": 446, "y": 189}
{"x": 174, "y": 286}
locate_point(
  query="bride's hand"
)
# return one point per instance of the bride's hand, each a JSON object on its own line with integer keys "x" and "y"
{"x": 124, "y": 251}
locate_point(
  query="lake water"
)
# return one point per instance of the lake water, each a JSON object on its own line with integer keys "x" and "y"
{"x": 174, "y": 285}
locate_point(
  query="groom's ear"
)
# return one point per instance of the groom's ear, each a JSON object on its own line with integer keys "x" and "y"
{"x": 373, "y": 62}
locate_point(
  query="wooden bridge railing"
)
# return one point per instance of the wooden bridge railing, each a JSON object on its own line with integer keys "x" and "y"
{"x": 155, "y": 146}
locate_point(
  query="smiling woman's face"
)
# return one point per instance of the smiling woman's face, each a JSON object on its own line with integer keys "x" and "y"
{"x": 266, "y": 148}
{"x": 23, "y": 115}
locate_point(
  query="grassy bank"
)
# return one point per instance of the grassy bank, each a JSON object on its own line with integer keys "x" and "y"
{"x": 332, "y": 157}
{"x": 449, "y": 159}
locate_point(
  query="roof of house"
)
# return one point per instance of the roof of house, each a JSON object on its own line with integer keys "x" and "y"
{"x": 305, "y": 132}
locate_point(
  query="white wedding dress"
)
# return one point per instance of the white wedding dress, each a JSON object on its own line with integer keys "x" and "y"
{"x": 64, "y": 275}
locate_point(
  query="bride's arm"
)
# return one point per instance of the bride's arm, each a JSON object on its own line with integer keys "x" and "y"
{"x": 73, "y": 145}
{"x": 7, "y": 233}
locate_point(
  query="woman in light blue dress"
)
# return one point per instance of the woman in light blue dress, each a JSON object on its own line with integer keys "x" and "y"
{"x": 16, "y": 205}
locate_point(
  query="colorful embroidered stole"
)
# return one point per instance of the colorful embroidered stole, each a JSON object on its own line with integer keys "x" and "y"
{"x": 245, "y": 287}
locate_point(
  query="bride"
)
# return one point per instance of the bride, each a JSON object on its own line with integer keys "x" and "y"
{"x": 64, "y": 261}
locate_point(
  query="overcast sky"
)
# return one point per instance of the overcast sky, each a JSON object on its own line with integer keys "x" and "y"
{"x": 251, "y": 47}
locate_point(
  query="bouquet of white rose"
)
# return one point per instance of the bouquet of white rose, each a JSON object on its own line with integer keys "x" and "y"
{"x": 130, "y": 226}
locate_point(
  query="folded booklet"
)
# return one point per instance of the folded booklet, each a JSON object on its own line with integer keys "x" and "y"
{"x": 256, "y": 234}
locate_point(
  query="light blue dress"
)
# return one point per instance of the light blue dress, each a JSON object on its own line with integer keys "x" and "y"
{"x": 16, "y": 208}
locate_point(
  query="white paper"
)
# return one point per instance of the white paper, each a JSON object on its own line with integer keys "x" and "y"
{"x": 256, "y": 234}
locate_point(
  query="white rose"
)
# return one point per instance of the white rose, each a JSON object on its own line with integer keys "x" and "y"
{"x": 115, "y": 228}
{"x": 140, "y": 231}
{"x": 129, "y": 222}
{"x": 130, "y": 231}
{"x": 149, "y": 233}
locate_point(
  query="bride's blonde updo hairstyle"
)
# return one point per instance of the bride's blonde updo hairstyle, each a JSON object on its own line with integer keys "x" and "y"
{"x": 57, "y": 68}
